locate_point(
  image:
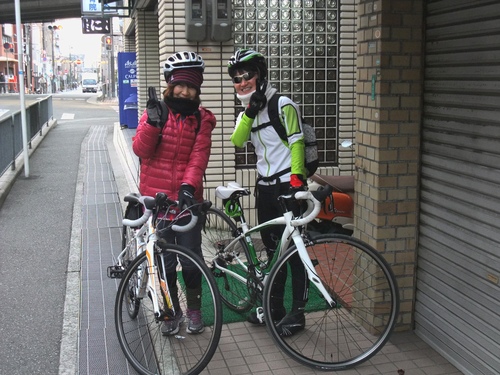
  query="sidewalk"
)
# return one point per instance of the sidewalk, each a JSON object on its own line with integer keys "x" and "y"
{"x": 246, "y": 349}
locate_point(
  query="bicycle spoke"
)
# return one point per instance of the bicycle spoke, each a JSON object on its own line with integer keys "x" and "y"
{"x": 217, "y": 234}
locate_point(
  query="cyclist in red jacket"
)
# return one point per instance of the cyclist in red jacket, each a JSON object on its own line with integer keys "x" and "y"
{"x": 174, "y": 156}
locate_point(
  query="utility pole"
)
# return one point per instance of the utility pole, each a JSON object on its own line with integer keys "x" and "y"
{"x": 53, "y": 28}
{"x": 20, "y": 81}
{"x": 112, "y": 60}
{"x": 29, "y": 55}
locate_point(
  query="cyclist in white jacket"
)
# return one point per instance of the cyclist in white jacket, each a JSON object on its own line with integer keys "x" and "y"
{"x": 280, "y": 166}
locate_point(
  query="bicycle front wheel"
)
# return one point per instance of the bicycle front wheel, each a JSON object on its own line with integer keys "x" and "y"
{"x": 367, "y": 303}
{"x": 129, "y": 244}
{"x": 141, "y": 338}
{"x": 218, "y": 232}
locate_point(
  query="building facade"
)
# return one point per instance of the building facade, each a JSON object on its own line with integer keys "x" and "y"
{"x": 415, "y": 84}
{"x": 9, "y": 59}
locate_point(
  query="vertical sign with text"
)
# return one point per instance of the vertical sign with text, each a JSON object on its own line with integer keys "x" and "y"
{"x": 127, "y": 88}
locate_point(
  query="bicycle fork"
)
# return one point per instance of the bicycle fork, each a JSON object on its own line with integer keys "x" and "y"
{"x": 306, "y": 261}
{"x": 117, "y": 270}
{"x": 151, "y": 282}
{"x": 151, "y": 279}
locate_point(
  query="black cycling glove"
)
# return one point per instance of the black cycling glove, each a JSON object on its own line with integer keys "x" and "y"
{"x": 257, "y": 102}
{"x": 153, "y": 109}
{"x": 186, "y": 196}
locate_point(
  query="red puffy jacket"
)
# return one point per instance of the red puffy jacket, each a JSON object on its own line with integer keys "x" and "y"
{"x": 180, "y": 156}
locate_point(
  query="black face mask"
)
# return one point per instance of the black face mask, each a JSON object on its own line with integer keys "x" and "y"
{"x": 183, "y": 106}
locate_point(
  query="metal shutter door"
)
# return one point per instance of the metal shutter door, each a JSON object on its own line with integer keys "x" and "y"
{"x": 458, "y": 291}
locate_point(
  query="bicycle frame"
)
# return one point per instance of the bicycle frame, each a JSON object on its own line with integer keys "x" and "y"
{"x": 139, "y": 234}
{"x": 146, "y": 282}
{"x": 290, "y": 233}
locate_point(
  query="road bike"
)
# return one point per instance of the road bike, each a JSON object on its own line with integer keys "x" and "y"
{"x": 148, "y": 295}
{"x": 353, "y": 299}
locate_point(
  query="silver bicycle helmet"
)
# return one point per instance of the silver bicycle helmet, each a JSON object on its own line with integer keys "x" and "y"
{"x": 247, "y": 59}
{"x": 183, "y": 60}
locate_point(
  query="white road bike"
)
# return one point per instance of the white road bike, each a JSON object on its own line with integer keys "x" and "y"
{"x": 353, "y": 298}
{"x": 145, "y": 295}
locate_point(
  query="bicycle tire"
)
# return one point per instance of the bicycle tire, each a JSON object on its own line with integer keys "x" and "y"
{"x": 133, "y": 211}
{"x": 217, "y": 232}
{"x": 365, "y": 289}
{"x": 129, "y": 242}
{"x": 141, "y": 340}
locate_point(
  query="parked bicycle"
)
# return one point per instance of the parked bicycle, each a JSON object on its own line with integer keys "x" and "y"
{"x": 147, "y": 298}
{"x": 353, "y": 297}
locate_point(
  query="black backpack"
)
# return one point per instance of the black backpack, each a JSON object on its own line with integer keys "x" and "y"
{"x": 311, "y": 161}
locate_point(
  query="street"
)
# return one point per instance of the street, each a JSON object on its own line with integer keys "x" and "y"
{"x": 11, "y": 102}
{"x": 35, "y": 232}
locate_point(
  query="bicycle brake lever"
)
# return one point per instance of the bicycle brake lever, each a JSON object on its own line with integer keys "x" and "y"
{"x": 160, "y": 199}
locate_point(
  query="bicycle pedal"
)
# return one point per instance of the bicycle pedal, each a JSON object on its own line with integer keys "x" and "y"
{"x": 260, "y": 314}
{"x": 115, "y": 272}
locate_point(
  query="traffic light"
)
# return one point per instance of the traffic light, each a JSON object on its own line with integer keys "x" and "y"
{"x": 108, "y": 43}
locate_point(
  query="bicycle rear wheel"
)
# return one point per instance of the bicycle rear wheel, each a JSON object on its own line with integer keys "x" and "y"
{"x": 367, "y": 304}
{"x": 140, "y": 337}
{"x": 219, "y": 230}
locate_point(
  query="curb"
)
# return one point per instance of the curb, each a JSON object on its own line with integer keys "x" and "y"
{"x": 69, "y": 349}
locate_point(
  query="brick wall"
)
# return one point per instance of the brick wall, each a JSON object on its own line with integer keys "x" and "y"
{"x": 389, "y": 86}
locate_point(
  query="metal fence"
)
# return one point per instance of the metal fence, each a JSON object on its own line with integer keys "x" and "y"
{"x": 11, "y": 140}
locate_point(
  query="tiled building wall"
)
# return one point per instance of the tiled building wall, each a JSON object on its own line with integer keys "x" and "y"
{"x": 347, "y": 84}
{"x": 148, "y": 63}
{"x": 218, "y": 93}
{"x": 388, "y": 115}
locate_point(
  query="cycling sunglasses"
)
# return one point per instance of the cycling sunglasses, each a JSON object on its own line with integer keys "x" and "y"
{"x": 247, "y": 77}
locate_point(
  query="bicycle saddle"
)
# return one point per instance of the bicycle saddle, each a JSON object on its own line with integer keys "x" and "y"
{"x": 232, "y": 188}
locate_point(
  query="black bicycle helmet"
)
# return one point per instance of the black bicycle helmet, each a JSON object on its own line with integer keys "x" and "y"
{"x": 247, "y": 59}
{"x": 183, "y": 60}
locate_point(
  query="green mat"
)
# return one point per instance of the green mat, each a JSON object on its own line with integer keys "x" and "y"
{"x": 229, "y": 316}
{"x": 315, "y": 302}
